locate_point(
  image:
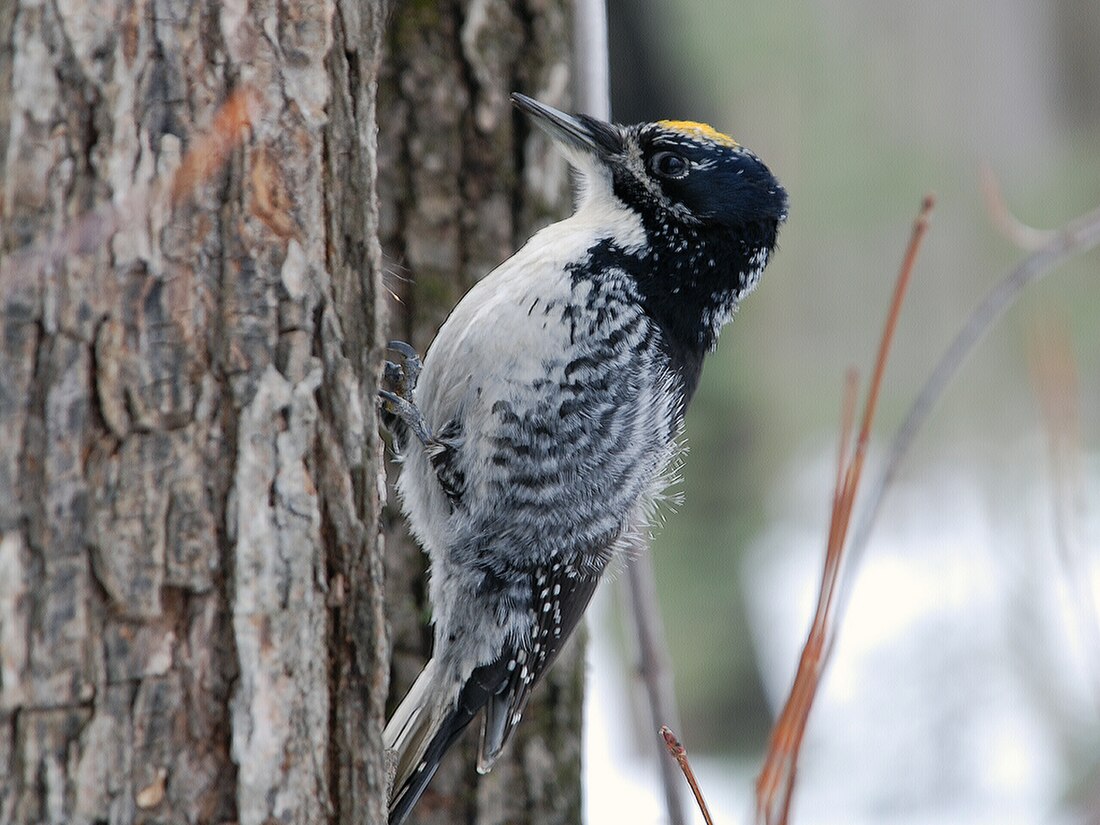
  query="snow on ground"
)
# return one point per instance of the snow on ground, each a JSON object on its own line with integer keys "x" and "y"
{"x": 960, "y": 691}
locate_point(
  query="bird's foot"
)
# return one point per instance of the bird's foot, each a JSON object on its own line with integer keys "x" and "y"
{"x": 400, "y": 376}
{"x": 409, "y": 414}
{"x": 398, "y": 381}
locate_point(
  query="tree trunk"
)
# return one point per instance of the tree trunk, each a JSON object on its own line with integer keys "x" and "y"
{"x": 191, "y": 624}
{"x": 463, "y": 183}
{"x": 191, "y": 617}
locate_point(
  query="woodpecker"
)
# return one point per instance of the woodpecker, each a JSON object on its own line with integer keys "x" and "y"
{"x": 536, "y": 437}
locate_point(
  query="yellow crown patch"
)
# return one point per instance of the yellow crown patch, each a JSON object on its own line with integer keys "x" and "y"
{"x": 699, "y": 130}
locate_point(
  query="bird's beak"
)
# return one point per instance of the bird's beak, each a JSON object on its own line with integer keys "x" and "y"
{"x": 572, "y": 131}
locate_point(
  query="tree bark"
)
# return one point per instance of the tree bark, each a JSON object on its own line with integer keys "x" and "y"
{"x": 191, "y": 624}
{"x": 191, "y": 614}
{"x": 464, "y": 182}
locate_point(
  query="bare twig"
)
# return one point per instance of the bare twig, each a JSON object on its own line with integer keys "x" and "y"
{"x": 775, "y": 785}
{"x": 847, "y": 427}
{"x": 1053, "y": 371}
{"x": 1076, "y": 238}
{"x": 653, "y": 668}
{"x": 593, "y": 71}
{"x": 680, "y": 755}
{"x": 1019, "y": 233}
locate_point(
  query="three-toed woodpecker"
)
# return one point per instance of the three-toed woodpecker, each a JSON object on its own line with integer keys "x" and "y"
{"x": 537, "y": 436}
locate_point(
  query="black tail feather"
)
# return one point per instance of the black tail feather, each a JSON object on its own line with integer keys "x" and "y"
{"x": 485, "y": 682}
{"x": 404, "y": 798}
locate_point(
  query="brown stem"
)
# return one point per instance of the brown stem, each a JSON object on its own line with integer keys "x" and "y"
{"x": 775, "y": 785}
{"x": 1076, "y": 238}
{"x": 680, "y": 755}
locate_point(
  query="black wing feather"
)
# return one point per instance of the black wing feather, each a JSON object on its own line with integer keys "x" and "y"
{"x": 560, "y": 594}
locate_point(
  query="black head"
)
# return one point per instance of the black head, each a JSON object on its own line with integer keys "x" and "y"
{"x": 710, "y": 208}
{"x": 699, "y": 177}
{"x": 673, "y": 171}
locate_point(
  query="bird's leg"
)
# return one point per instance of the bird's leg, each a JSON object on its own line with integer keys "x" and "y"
{"x": 399, "y": 380}
{"x": 398, "y": 406}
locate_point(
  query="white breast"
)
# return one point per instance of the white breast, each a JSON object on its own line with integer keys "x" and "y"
{"x": 493, "y": 336}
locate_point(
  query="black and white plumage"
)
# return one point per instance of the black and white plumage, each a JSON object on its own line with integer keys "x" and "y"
{"x": 539, "y": 434}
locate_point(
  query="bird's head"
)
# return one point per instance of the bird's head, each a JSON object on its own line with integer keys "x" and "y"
{"x": 678, "y": 172}
{"x": 709, "y": 209}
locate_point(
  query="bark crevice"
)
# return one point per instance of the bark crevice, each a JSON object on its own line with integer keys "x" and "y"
{"x": 191, "y": 487}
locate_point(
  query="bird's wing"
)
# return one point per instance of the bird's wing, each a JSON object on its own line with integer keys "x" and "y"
{"x": 559, "y": 596}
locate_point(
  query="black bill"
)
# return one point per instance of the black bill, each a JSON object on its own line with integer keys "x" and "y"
{"x": 576, "y": 131}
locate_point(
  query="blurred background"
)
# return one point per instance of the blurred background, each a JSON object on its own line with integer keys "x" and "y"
{"x": 965, "y": 684}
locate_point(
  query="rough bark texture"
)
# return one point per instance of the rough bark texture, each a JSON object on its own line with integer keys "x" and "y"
{"x": 191, "y": 619}
{"x": 463, "y": 182}
{"x": 191, "y": 623}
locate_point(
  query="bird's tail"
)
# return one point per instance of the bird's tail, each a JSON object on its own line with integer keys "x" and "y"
{"x": 420, "y": 731}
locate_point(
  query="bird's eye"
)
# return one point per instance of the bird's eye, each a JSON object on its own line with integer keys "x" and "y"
{"x": 668, "y": 165}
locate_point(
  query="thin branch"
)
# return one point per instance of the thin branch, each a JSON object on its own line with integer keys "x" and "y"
{"x": 680, "y": 755}
{"x": 654, "y": 670}
{"x": 1019, "y": 233}
{"x": 775, "y": 785}
{"x": 1053, "y": 372}
{"x": 847, "y": 427}
{"x": 1076, "y": 238}
{"x": 593, "y": 69}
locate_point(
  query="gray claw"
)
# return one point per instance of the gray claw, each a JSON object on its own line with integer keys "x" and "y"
{"x": 392, "y": 374}
{"x": 409, "y": 365}
{"x": 404, "y": 348}
{"x": 408, "y": 412}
